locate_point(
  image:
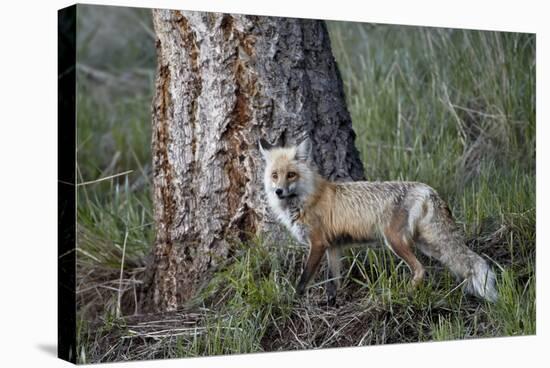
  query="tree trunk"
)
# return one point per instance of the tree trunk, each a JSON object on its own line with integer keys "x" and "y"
{"x": 223, "y": 82}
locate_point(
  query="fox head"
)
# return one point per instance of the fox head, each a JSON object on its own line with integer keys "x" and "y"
{"x": 288, "y": 171}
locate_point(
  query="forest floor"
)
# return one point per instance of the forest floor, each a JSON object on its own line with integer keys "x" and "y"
{"x": 451, "y": 108}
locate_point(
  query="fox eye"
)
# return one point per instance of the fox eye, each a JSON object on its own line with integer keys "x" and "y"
{"x": 274, "y": 176}
{"x": 291, "y": 175}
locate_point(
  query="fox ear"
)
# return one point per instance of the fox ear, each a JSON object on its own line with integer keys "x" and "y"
{"x": 303, "y": 150}
{"x": 264, "y": 148}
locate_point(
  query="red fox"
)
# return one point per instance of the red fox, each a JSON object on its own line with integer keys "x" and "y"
{"x": 326, "y": 215}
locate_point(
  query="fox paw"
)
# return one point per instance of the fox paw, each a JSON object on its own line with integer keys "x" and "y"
{"x": 328, "y": 302}
{"x": 331, "y": 301}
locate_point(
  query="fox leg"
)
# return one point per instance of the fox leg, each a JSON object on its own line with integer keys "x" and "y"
{"x": 333, "y": 257}
{"x": 403, "y": 249}
{"x": 316, "y": 250}
{"x": 399, "y": 239}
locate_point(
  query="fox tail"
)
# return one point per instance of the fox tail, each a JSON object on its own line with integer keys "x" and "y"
{"x": 441, "y": 239}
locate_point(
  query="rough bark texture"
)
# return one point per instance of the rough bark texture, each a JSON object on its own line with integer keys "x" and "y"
{"x": 223, "y": 82}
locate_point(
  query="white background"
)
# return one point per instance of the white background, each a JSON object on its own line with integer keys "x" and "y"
{"x": 28, "y": 169}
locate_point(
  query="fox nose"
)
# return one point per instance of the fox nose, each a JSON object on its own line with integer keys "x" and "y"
{"x": 279, "y": 192}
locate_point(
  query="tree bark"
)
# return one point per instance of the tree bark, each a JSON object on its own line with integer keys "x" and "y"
{"x": 223, "y": 82}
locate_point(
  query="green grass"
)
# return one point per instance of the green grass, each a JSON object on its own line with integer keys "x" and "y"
{"x": 452, "y": 108}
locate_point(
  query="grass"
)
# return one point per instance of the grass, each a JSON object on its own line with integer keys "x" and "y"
{"x": 452, "y": 108}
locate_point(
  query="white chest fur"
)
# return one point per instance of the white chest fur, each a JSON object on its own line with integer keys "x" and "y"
{"x": 288, "y": 216}
{"x": 298, "y": 230}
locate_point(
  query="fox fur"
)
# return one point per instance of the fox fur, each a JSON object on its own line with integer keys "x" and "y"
{"x": 326, "y": 215}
